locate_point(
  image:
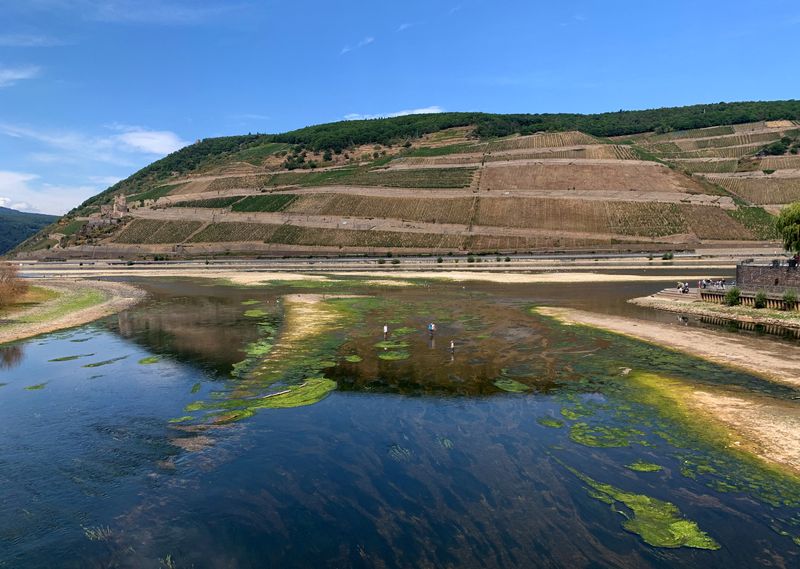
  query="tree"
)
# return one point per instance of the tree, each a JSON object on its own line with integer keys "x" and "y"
{"x": 11, "y": 285}
{"x": 788, "y": 226}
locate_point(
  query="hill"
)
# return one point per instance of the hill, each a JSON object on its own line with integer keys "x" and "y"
{"x": 17, "y": 226}
{"x": 656, "y": 179}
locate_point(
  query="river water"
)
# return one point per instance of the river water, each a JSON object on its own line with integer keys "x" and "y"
{"x": 219, "y": 426}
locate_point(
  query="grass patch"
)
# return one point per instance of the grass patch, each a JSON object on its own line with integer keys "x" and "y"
{"x": 757, "y": 220}
{"x": 36, "y": 387}
{"x": 66, "y": 303}
{"x": 255, "y": 313}
{"x": 149, "y": 360}
{"x": 153, "y": 193}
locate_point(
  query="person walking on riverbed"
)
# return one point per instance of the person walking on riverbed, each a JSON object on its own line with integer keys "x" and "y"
{"x": 431, "y": 328}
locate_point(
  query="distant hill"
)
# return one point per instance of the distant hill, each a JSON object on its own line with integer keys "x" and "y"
{"x": 629, "y": 180}
{"x": 17, "y": 226}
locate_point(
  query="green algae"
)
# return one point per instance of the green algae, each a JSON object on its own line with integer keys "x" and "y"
{"x": 250, "y": 302}
{"x": 181, "y": 419}
{"x": 657, "y": 522}
{"x": 37, "y": 387}
{"x": 105, "y": 362}
{"x": 196, "y": 387}
{"x": 255, "y": 313}
{"x": 149, "y": 360}
{"x": 353, "y": 359}
{"x": 393, "y": 356}
{"x": 550, "y": 422}
{"x": 391, "y": 345}
{"x": 70, "y": 358}
{"x": 312, "y": 391}
{"x": 642, "y": 466}
{"x": 511, "y": 385}
{"x": 601, "y": 436}
{"x": 403, "y": 331}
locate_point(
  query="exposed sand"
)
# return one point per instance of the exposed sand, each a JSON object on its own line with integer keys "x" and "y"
{"x": 116, "y": 297}
{"x": 771, "y": 429}
{"x": 754, "y": 355}
{"x": 556, "y": 277}
{"x": 738, "y": 313}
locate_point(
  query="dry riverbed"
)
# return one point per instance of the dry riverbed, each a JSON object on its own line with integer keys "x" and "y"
{"x": 68, "y": 303}
{"x": 765, "y": 427}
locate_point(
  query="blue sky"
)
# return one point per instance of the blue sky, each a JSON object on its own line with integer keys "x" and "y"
{"x": 92, "y": 90}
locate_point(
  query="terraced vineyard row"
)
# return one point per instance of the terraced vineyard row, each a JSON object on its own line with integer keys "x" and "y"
{"x": 431, "y": 210}
{"x": 726, "y": 152}
{"x": 423, "y": 178}
{"x": 209, "y": 203}
{"x": 780, "y": 162}
{"x": 543, "y": 140}
{"x": 762, "y": 189}
{"x": 708, "y": 222}
{"x": 696, "y": 133}
{"x": 152, "y": 231}
{"x": 645, "y": 219}
{"x": 269, "y": 202}
{"x": 310, "y": 236}
{"x": 707, "y": 165}
{"x": 726, "y": 141}
{"x": 529, "y": 243}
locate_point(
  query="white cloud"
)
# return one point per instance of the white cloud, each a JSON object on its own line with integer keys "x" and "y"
{"x": 28, "y": 40}
{"x": 24, "y": 191}
{"x": 11, "y": 75}
{"x": 420, "y": 111}
{"x": 151, "y": 141}
{"x": 111, "y": 149}
{"x": 363, "y": 43}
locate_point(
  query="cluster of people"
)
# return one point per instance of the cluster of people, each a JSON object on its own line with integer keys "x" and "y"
{"x": 683, "y": 287}
{"x": 708, "y": 283}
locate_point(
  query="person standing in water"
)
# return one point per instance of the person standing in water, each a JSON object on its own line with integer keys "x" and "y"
{"x": 431, "y": 328}
{"x": 385, "y": 331}
{"x": 452, "y": 346}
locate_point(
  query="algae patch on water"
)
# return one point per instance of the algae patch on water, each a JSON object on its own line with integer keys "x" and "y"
{"x": 250, "y": 302}
{"x": 353, "y": 359}
{"x": 391, "y": 345}
{"x": 255, "y": 313}
{"x": 658, "y": 523}
{"x": 394, "y": 356}
{"x": 550, "y": 422}
{"x": 36, "y": 387}
{"x": 149, "y": 360}
{"x": 70, "y": 358}
{"x": 642, "y": 466}
{"x": 511, "y": 386}
{"x": 602, "y": 436}
{"x": 105, "y": 362}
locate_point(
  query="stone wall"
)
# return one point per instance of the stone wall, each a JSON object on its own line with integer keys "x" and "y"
{"x": 769, "y": 279}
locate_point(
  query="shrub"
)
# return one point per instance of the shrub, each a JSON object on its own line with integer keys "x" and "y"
{"x": 508, "y": 259}
{"x": 761, "y": 299}
{"x": 395, "y": 261}
{"x": 381, "y": 261}
{"x": 668, "y": 256}
{"x": 470, "y": 259}
{"x": 11, "y": 285}
{"x": 733, "y": 297}
{"x": 789, "y": 299}
{"x": 439, "y": 259}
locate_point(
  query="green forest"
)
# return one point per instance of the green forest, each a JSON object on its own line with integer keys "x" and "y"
{"x": 16, "y": 226}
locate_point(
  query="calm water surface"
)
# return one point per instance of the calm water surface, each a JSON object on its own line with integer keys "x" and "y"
{"x": 154, "y": 438}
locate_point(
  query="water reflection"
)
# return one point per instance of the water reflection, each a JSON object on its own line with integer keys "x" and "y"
{"x": 11, "y": 356}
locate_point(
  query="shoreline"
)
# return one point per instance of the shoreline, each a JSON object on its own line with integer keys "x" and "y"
{"x": 734, "y": 313}
{"x": 764, "y": 427}
{"x": 78, "y": 302}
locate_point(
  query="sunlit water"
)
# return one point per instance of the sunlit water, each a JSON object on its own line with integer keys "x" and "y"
{"x": 118, "y": 457}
